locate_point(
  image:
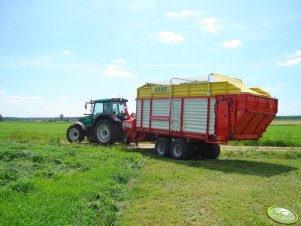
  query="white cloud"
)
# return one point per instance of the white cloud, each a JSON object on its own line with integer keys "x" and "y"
{"x": 1, "y": 92}
{"x": 116, "y": 69}
{"x": 66, "y": 52}
{"x": 169, "y": 37}
{"x": 183, "y": 14}
{"x": 232, "y": 43}
{"x": 211, "y": 24}
{"x": 292, "y": 59}
{"x": 119, "y": 61}
{"x": 296, "y": 54}
{"x": 289, "y": 62}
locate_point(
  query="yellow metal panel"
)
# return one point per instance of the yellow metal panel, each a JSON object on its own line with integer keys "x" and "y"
{"x": 179, "y": 90}
{"x": 224, "y": 85}
{"x": 260, "y": 91}
{"x": 144, "y": 92}
{"x": 193, "y": 89}
{"x": 159, "y": 95}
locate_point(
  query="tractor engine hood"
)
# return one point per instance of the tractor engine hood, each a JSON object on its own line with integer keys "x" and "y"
{"x": 86, "y": 120}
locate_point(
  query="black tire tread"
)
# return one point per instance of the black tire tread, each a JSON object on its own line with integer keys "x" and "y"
{"x": 115, "y": 131}
{"x": 210, "y": 151}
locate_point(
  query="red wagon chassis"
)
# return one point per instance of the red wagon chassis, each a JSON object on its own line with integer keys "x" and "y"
{"x": 234, "y": 117}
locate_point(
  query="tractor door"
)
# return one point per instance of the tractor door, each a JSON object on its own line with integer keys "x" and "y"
{"x": 222, "y": 120}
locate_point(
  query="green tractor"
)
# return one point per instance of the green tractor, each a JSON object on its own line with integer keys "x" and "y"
{"x": 103, "y": 125}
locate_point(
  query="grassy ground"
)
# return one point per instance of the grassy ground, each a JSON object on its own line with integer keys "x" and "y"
{"x": 234, "y": 190}
{"x": 34, "y": 132}
{"x": 45, "y": 181}
{"x": 277, "y": 135}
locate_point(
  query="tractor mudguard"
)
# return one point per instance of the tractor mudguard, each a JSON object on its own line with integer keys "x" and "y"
{"x": 108, "y": 116}
{"x": 81, "y": 125}
{"x": 115, "y": 118}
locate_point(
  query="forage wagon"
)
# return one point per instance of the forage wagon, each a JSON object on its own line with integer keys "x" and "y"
{"x": 182, "y": 116}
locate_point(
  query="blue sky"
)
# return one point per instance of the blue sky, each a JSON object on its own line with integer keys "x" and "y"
{"x": 55, "y": 55}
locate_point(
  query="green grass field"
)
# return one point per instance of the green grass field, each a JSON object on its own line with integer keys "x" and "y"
{"x": 46, "y": 181}
{"x": 234, "y": 190}
{"x": 34, "y": 132}
{"x": 282, "y": 135}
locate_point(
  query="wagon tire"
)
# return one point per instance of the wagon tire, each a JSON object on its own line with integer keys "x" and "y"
{"x": 75, "y": 133}
{"x": 180, "y": 149}
{"x": 210, "y": 151}
{"x": 215, "y": 151}
{"x": 162, "y": 146}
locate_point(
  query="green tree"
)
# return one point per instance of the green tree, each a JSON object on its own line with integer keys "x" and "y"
{"x": 61, "y": 117}
{"x": 1, "y": 118}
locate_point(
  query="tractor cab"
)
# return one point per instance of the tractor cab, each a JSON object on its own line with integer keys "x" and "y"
{"x": 112, "y": 106}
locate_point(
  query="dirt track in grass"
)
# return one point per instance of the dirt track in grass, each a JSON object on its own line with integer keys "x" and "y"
{"x": 226, "y": 147}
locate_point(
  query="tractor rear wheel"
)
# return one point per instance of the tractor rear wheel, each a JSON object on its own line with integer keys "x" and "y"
{"x": 162, "y": 146}
{"x": 106, "y": 132}
{"x": 75, "y": 133}
{"x": 180, "y": 149}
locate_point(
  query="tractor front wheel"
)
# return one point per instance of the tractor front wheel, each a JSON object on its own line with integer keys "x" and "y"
{"x": 105, "y": 132}
{"x": 75, "y": 133}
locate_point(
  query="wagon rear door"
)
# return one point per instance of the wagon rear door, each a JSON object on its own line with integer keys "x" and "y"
{"x": 175, "y": 124}
{"x": 222, "y": 120}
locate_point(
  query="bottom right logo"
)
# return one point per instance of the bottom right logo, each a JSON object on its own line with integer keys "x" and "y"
{"x": 282, "y": 215}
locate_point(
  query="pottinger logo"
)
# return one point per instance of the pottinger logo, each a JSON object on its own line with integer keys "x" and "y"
{"x": 127, "y": 125}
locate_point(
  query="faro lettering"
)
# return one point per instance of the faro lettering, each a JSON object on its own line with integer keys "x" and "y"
{"x": 161, "y": 89}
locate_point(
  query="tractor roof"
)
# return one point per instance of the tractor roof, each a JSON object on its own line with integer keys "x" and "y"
{"x": 110, "y": 99}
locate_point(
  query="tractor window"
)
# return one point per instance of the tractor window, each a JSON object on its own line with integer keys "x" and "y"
{"x": 98, "y": 108}
{"x": 107, "y": 108}
{"x": 118, "y": 108}
{"x": 121, "y": 108}
{"x": 115, "y": 108}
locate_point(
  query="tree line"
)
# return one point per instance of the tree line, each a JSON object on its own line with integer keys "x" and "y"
{"x": 61, "y": 117}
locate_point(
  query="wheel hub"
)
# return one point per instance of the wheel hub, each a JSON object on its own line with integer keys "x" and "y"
{"x": 74, "y": 134}
{"x": 161, "y": 148}
{"x": 177, "y": 150}
{"x": 103, "y": 133}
